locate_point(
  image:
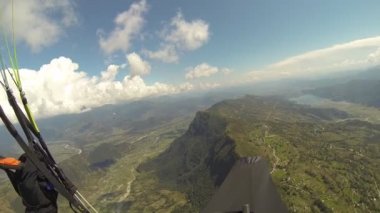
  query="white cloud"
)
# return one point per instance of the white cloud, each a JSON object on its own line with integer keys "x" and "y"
{"x": 137, "y": 65}
{"x": 179, "y": 36}
{"x": 34, "y": 22}
{"x": 226, "y": 71}
{"x": 167, "y": 53}
{"x": 355, "y": 55}
{"x": 59, "y": 87}
{"x": 206, "y": 86}
{"x": 128, "y": 25}
{"x": 201, "y": 70}
{"x": 374, "y": 57}
{"x": 110, "y": 73}
{"x": 187, "y": 35}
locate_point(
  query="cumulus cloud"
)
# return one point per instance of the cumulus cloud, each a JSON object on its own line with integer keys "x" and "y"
{"x": 206, "y": 86}
{"x": 128, "y": 25}
{"x": 167, "y": 53}
{"x": 34, "y": 22}
{"x": 226, "y": 71}
{"x": 137, "y": 65}
{"x": 110, "y": 73}
{"x": 180, "y": 35}
{"x": 201, "y": 70}
{"x": 59, "y": 87}
{"x": 374, "y": 58}
{"x": 355, "y": 55}
{"x": 187, "y": 35}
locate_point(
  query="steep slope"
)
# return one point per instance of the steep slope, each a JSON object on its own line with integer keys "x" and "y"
{"x": 204, "y": 151}
{"x": 321, "y": 160}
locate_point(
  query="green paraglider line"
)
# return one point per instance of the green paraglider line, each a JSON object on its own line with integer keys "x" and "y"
{"x": 16, "y": 77}
{"x": 48, "y": 166}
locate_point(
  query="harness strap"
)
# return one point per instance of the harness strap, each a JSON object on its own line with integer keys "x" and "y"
{"x": 36, "y": 161}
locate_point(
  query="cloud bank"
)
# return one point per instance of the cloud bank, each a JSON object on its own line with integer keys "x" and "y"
{"x": 128, "y": 25}
{"x": 355, "y": 55}
{"x": 34, "y": 22}
{"x": 59, "y": 88}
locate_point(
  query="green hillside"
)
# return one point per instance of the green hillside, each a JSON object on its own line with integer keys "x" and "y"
{"x": 321, "y": 161}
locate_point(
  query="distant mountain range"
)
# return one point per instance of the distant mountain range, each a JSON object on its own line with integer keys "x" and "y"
{"x": 364, "y": 92}
{"x": 98, "y": 123}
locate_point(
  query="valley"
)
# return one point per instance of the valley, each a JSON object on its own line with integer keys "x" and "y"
{"x": 318, "y": 164}
{"x": 322, "y": 159}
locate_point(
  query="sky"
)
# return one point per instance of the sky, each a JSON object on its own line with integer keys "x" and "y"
{"x": 77, "y": 55}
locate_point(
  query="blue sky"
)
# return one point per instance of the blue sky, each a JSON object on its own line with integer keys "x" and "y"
{"x": 244, "y": 34}
{"x": 220, "y": 39}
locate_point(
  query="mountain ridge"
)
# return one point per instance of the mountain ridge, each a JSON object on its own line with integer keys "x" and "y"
{"x": 294, "y": 138}
{"x": 361, "y": 91}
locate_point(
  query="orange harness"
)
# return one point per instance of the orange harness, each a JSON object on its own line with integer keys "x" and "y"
{"x": 9, "y": 163}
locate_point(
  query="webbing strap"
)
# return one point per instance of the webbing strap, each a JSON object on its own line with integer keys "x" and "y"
{"x": 36, "y": 161}
{"x": 43, "y": 149}
{"x": 32, "y": 128}
{"x": 18, "y": 112}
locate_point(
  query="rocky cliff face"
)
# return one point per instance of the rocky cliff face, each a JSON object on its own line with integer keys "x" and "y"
{"x": 199, "y": 160}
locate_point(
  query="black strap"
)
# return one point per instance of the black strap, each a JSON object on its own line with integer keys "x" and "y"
{"x": 18, "y": 113}
{"x": 12, "y": 178}
{"x": 42, "y": 167}
{"x": 39, "y": 137}
{"x": 49, "y": 158}
{"x": 41, "y": 147}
